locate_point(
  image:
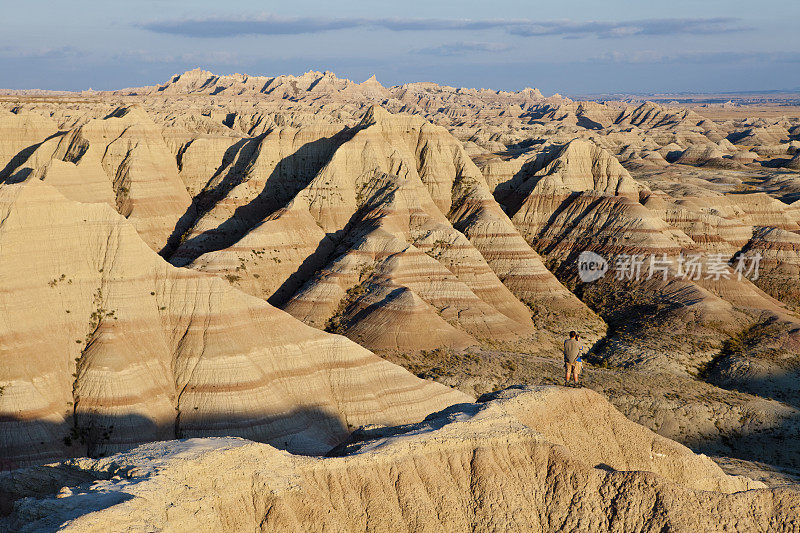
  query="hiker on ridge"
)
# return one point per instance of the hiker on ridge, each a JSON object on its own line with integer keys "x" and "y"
{"x": 572, "y": 358}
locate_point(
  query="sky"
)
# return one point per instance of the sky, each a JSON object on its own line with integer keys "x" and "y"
{"x": 573, "y": 47}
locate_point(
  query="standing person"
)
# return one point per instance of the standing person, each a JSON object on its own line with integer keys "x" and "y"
{"x": 579, "y": 361}
{"x": 572, "y": 362}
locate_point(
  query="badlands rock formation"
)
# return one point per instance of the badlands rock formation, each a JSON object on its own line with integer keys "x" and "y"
{"x": 120, "y": 160}
{"x": 104, "y": 346}
{"x": 576, "y": 197}
{"x": 21, "y": 133}
{"x": 509, "y": 463}
{"x": 794, "y": 163}
{"x": 373, "y": 232}
{"x": 436, "y": 226}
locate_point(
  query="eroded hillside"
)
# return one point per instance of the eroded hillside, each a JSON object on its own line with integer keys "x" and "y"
{"x": 438, "y": 227}
{"x": 509, "y": 462}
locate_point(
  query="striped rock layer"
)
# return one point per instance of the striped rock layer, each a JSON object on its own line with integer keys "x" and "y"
{"x": 105, "y": 345}
{"x": 577, "y": 197}
{"x": 390, "y": 226}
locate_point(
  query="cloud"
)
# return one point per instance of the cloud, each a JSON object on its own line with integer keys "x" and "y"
{"x": 697, "y": 57}
{"x": 648, "y": 27}
{"x": 217, "y": 57}
{"x": 273, "y": 25}
{"x": 265, "y": 25}
{"x": 463, "y": 48}
{"x": 63, "y": 52}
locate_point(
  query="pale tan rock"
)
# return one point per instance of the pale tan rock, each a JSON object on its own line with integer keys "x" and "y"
{"x": 21, "y": 131}
{"x": 652, "y": 115}
{"x": 121, "y": 160}
{"x": 561, "y": 170}
{"x": 762, "y": 210}
{"x": 568, "y": 207}
{"x": 578, "y": 167}
{"x": 276, "y": 257}
{"x": 260, "y": 177}
{"x": 490, "y": 466}
{"x": 381, "y": 193}
{"x": 762, "y": 137}
{"x": 713, "y": 222}
{"x": 419, "y": 231}
{"x": 794, "y": 162}
{"x": 709, "y": 156}
{"x": 779, "y": 267}
{"x": 103, "y": 336}
{"x": 201, "y": 158}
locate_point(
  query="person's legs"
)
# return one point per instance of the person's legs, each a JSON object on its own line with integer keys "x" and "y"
{"x": 567, "y": 370}
{"x": 576, "y": 372}
{"x": 570, "y": 372}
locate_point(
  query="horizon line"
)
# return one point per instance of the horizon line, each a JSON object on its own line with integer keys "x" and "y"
{"x": 570, "y": 94}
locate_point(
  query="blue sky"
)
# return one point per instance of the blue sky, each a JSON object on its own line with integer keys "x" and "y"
{"x": 566, "y": 46}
